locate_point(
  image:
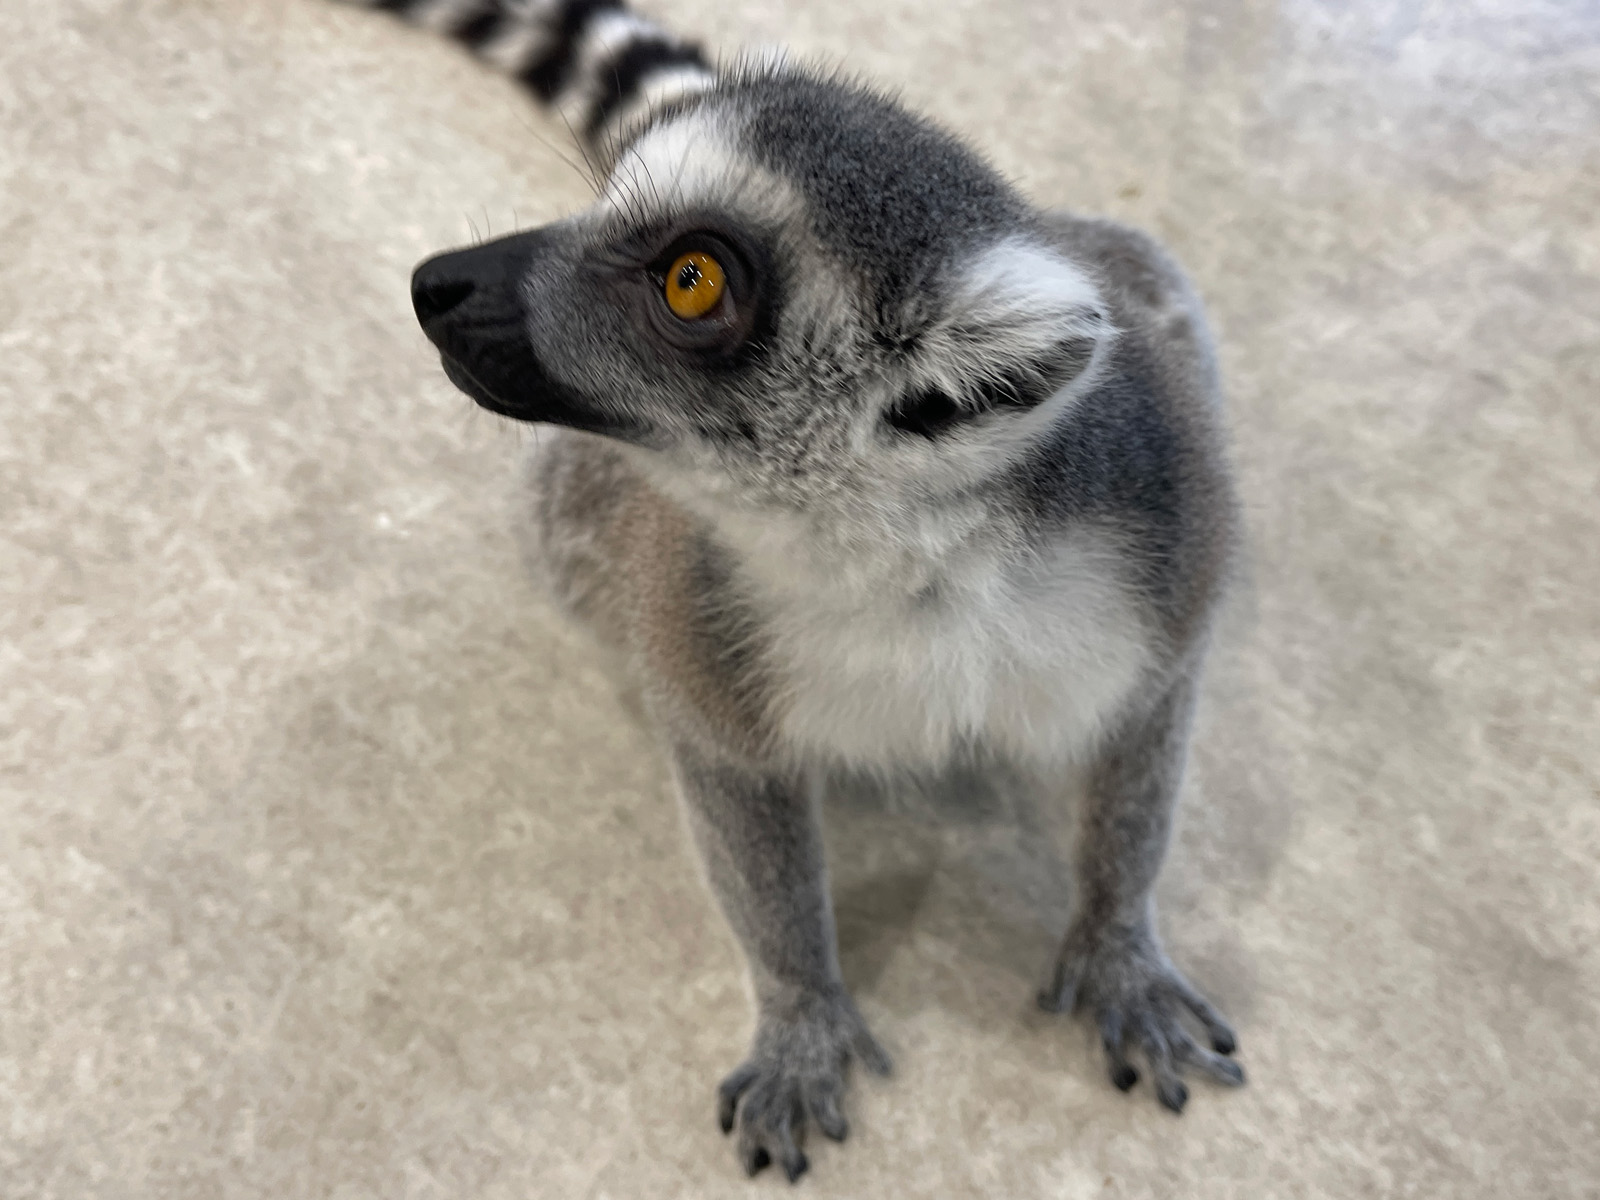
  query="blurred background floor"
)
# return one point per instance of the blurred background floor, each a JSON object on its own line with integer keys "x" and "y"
{"x": 332, "y": 863}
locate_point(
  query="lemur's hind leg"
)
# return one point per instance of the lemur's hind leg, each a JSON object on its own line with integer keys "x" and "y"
{"x": 1112, "y": 963}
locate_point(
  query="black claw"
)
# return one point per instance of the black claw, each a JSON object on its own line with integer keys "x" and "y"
{"x": 725, "y": 1118}
{"x": 1223, "y": 1042}
{"x": 758, "y": 1161}
{"x": 796, "y": 1168}
{"x": 1174, "y": 1097}
{"x": 1237, "y": 1073}
{"x": 1124, "y": 1077}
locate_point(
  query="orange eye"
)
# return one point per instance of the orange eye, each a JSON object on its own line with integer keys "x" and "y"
{"x": 694, "y": 285}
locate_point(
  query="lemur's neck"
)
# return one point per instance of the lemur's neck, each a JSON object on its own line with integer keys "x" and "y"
{"x": 843, "y": 556}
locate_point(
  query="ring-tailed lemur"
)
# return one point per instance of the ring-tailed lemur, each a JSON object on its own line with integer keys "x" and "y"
{"x": 870, "y": 464}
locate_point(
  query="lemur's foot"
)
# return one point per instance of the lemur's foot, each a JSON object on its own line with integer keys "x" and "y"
{"x": 796, "y": 1071}
{"x": 1136, "y": 997}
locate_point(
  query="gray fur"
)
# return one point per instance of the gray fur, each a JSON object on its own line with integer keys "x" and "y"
{"x": 891, "y": 194}
{"x": 944, "y": 474}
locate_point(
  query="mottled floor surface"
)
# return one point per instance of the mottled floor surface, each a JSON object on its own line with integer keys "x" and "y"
{"x": 333, "y": 865}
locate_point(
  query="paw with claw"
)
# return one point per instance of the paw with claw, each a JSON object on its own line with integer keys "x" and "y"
{"x": 1137, "y": 998}
{"x": 795, "y": 1074}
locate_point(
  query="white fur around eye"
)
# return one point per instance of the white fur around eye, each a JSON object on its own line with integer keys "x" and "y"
{"x": 687, "y": 162}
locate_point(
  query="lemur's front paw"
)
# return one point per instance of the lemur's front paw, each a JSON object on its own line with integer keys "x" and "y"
{"x": 796, "y": 1071}
{"x": 1136, "y": 997}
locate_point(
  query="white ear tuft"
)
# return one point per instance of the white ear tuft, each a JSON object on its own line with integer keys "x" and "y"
{"x": 1018, "y": 307}
{"x": 1029, "y": 296}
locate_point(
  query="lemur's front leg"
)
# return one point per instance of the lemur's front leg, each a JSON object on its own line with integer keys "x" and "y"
{"x": 1112, "y": 963}
{"x": 758, "y": 834}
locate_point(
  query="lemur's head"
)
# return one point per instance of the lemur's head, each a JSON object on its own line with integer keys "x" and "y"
{"x": 790, "y": 293}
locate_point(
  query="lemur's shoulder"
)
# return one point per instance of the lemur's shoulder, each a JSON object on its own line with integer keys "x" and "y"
{"x": 647, "y": 576}
{"x": 1147, "y": 447}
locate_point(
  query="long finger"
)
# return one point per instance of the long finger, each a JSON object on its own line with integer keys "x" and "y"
{"x": 728, "y": 1093}
{"x": 1170, "y": 1089}
{"x": 1217, "y": 1027}
{"x": 1217, "y": 1067}
{"x": 1123, "y": 1076}
{"x": 822, "y": 1102}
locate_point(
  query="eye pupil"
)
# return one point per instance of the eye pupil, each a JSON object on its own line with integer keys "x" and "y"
{"x": 694, "y": 285}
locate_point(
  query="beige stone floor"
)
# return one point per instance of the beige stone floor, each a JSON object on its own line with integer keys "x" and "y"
{"x": 332, "y": 865}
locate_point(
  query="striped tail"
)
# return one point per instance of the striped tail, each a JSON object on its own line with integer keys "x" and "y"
{"x": 603, "y": 68}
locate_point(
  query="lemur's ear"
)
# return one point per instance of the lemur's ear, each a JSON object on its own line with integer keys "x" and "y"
{"x": 1023, "y": 325}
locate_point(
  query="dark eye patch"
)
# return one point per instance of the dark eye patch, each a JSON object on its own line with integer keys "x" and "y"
{"x": 725, "y": 334}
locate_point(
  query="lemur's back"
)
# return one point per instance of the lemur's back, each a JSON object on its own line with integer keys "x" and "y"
{"x": 868, "y": 461}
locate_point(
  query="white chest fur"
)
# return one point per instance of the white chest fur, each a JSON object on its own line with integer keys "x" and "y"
{"x": 901, "y": 662}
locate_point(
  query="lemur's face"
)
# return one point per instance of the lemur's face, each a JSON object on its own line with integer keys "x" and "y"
{"x": 785, "y": 293}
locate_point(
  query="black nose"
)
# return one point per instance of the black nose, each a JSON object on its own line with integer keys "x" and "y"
{"x": 472, "y": 284}
{"x": 445, "y": 283}
{"x": 433, "y": 297}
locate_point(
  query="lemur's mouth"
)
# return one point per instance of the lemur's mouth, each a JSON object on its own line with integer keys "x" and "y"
{"x": 463, "y": 379}
{"x": 530, "y": 394}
